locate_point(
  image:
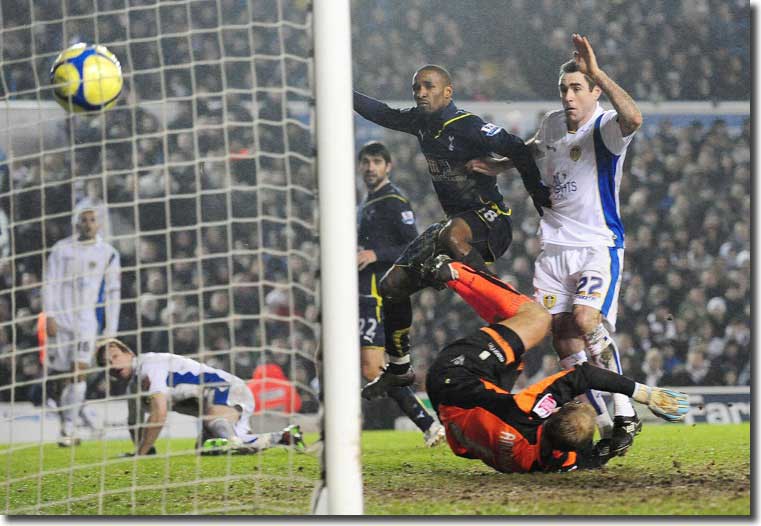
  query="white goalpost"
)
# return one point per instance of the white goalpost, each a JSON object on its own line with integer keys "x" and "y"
{"x": 335, "y": 167}
{"x": 224, "y": 178}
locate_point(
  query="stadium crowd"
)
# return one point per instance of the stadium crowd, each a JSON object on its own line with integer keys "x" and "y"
{"x": 702, "y": 50}
{"x": 216, "y": 226}
{"x": 685, "y": 50}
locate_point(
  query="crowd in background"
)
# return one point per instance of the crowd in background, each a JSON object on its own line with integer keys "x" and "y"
{"x": 679, "y": 50}
{"x": 213, "y": 209}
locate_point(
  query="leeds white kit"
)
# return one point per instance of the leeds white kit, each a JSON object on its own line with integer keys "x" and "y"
{"x": 82, "y": 292}
{"x": 582, "y": 234}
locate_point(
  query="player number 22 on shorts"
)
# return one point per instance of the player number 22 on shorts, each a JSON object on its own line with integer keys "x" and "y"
{"x": 594, "y": 282}
{"x": 367, "y": 327}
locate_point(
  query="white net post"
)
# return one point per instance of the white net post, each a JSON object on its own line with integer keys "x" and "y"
{"x": 204, "y": 179}
{"x": 335, "y": 166}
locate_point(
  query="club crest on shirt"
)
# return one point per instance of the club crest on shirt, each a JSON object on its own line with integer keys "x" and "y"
{"x": 92, "y": 264}
{"x": 408, "y": 217}
{"x": 575, "y": 153}
{"x": 549, "y": 301}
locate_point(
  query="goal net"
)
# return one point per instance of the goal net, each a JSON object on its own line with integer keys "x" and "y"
{"x": 203, "y": 178}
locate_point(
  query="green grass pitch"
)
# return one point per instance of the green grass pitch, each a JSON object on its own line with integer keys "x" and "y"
{"x": 672, "y": 470}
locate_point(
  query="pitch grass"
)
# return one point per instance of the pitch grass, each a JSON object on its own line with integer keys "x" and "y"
{"x": 672, "y": 470}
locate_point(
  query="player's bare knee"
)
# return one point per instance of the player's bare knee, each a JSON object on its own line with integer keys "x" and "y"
{"x": 370, "y": 371}
{"x": 455, "y": 238}
{"x": 215, "y": 411}
{"x": 565, "y": 347}
{"x": 564, "y": 326}
{"x": 395, "y": 284}
{"x": 389, "y": 284}
{"x": 586, "y": 319}
{"x": 372, "y": 360}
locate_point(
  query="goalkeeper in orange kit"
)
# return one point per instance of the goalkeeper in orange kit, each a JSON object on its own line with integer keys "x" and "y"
{"x": 541, "y": 428}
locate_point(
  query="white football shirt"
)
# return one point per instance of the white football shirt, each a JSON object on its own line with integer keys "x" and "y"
{"x": 181, "y": 378}
{"x": 83, "y": 277}
{"x": 583, "y": 172}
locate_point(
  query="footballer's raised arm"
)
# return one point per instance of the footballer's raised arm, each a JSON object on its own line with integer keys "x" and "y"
{"x": 629, "y": 115}
{"x": 382, "y": 115}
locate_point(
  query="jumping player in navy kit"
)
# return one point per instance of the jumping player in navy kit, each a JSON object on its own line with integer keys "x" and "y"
{"x": 477, "y": 228}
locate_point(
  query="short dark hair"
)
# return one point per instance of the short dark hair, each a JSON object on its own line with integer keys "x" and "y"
{"x": 570, "y": 428}
{"x": 375, "y": 148}
{"x": 438, "y": 69}
{"x": 100, "y": 351}
{"x": 572, "y": 67}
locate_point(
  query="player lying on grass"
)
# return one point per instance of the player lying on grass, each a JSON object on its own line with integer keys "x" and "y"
{"x": 162, "y": 382}
{"x": 541, "y": 428}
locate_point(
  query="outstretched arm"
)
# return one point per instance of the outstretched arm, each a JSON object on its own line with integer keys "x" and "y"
{"x": 382, "y": 115}
{"x": 566, "y": 385}
{"x": 629, "y": 115}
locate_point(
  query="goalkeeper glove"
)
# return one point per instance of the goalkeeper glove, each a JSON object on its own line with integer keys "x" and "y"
{"x": 669, "y": 405}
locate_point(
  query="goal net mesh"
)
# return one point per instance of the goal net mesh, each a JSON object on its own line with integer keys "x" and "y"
{"x": 203, "y": 179}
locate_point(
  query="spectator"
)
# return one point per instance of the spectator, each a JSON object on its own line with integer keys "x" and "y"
{"x": 652, "y": 368}
{"x": 273, "y": 391}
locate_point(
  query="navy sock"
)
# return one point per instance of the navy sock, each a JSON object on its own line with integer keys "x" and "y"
{"x": 411, "y": 406}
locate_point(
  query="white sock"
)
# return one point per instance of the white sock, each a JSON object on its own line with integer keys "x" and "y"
{"x": 88, "y": 416}
{"x": 221, "y": 428}
{"x": 399, "y": 360}
{"x": 72, "y": 398}
{"x": 261, "y": 442}
{"x": 606, "y": 357}
{"x": 594, "y": 398}
{"x": 569, "y": 362}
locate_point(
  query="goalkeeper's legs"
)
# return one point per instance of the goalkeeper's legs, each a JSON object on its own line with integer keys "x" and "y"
{"x": 492, "y": 299}
{"x": 219, "y": 429}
